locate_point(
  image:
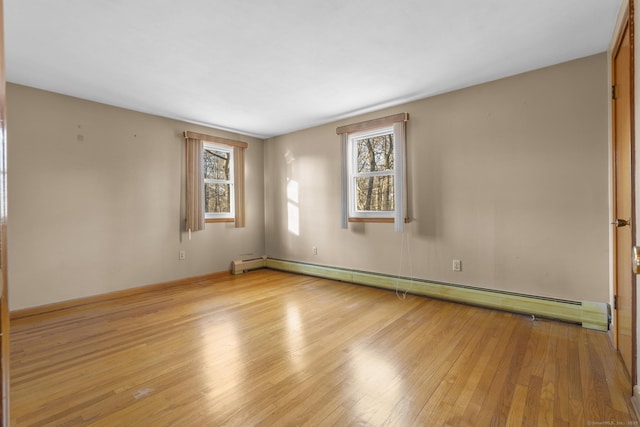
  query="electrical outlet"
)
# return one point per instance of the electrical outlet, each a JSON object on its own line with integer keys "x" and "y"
{"x": 182, "y": 255}
{"x": 457, "y": 265}
{"x": 315, "y": 250}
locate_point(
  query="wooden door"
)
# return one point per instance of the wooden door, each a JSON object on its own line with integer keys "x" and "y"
{"x": 623, "y": 152}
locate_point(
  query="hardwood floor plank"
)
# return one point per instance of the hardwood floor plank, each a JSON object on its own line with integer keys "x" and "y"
{"x": 500, "y": 383}
{"x": 548, "y": 395}
{"x": 441, "y": 405}
{"x": 272, "y": 348}
{"x": 515, "y": 416}
{"x": 466, "y": 407}
{"x": 499, "y": 338}
{"x": 561, "y": 380}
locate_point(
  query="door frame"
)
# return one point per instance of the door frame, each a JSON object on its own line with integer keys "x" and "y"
{"x": 4, "y": 293}
{"x": 626, "y": 23}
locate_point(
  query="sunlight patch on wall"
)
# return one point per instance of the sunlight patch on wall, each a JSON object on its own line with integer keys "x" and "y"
{"x": 293, "y": 211}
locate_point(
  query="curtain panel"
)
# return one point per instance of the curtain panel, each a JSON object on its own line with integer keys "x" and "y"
{"x": 195, "y": 186}
{"x": 195, "y": 217}
{"x": 238, "y": 159}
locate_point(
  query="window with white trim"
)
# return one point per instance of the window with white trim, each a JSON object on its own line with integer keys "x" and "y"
{"x": 218, "y": 181}
{"x": 372, "y": 173}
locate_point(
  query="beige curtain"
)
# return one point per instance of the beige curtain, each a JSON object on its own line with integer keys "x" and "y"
{"x": 195, "y": 185}
{"x": 344, "y": 167}
{"x": 238, "y": 156}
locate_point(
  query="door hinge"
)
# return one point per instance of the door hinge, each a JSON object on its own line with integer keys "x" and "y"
{"x": 613, "y": 91}
{"x": 615, "y": 302}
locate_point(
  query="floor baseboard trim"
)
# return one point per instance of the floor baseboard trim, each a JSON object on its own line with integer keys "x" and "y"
{"x": 591, "y": 315}
{"x": 62, "y": 305}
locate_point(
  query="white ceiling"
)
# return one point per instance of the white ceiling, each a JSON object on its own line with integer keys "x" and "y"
{"x": 265, "y": 68}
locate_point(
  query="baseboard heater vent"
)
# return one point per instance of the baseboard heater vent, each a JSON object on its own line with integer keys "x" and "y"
{"x": 591, "y": 315}
{"x": 241, "y": 265}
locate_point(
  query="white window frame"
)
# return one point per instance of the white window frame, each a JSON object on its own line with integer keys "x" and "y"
{"x": 225, "y": 149}
{"x": 354, "y": 174}
{"x": 399, "y": 216}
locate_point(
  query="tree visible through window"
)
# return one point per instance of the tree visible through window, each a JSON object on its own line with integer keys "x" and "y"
{"x": 375, "y": 192}
{"x": 372, "y": 173}
{"x": 218, "y": 181}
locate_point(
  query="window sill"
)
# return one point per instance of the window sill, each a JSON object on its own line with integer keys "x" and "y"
{"x": 389, "y": 220}
{"x": 219, "y": 220}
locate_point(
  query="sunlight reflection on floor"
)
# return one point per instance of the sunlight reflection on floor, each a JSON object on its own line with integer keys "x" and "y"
{"x": 376, "y": 383}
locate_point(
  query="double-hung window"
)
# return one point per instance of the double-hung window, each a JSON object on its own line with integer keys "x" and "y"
{"x": 372, "y": 174}
{"x": 214, "y": 181}
{"x": 373, "y": 171}
{"x": 218, "y": 181}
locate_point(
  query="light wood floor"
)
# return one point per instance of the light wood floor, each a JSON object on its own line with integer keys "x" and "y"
{"x": 272, "y": 348}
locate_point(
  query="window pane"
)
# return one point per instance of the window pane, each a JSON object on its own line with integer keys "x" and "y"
{"x": 216, "y": 164}
{"x": 375, "y": 193}
{"x": 375, "y": 153}
{"x": 217, "y": 198}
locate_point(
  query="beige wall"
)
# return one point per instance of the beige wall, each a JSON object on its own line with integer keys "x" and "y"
{"x": 509, "y": 176}
{"x": 97, "y": 201}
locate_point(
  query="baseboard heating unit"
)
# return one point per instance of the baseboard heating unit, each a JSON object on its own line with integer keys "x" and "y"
{"x": 591, "y": 315}
{"x": 239, "y": 266}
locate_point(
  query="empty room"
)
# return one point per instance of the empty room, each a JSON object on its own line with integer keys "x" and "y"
{"x": 318, "y": 213}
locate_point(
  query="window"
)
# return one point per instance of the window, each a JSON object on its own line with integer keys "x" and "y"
{"x": 372, "y": 174}
{"x": 218, "y": 181}
{"x": 214, "y": 181}
{"x": 373, "y": 171}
